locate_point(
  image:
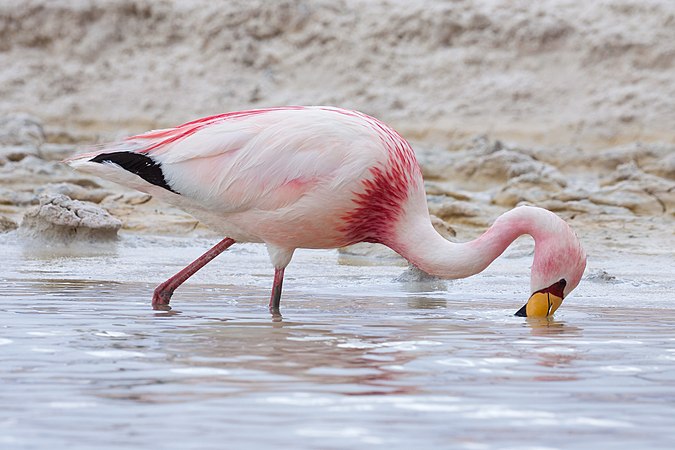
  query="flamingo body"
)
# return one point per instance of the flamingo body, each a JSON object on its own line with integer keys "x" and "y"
{"x": 292, "y": 177}
{"x": 316, "y": 177}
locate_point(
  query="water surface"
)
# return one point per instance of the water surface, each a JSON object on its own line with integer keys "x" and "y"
{"x": 358, "y": 361}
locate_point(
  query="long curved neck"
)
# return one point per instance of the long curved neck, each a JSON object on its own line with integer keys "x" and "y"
{"x": 420, "y": 243}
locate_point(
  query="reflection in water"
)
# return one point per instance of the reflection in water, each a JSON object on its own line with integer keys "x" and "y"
{"x": 308, "y": 352}
{"x": 53, "y": 252}
{"x": 427, "y": 303}
{"x": 551, "y": 327}
{"x": 167, "y": 313}
{"x": 555, "y": 355}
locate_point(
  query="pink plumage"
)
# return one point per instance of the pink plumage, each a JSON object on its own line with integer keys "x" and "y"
{"x": 315, "y": 177}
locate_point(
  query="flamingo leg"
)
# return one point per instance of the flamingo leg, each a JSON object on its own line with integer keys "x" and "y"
{"x": 163, "y": 292}
{"x": 275, "y": 299}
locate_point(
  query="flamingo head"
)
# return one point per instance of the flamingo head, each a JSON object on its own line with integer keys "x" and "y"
{"x": 559, "y": 263}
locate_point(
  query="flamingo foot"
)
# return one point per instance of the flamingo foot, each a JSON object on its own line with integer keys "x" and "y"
{"x": 275, "y": 312}
{"x": 276, "y": 315}
{"x": 161, "y": 297}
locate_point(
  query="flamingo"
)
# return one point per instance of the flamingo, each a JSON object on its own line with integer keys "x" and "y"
{"x": 321, "y": 177}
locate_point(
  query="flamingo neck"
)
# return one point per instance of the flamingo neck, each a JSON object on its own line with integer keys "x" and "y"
{"x": 420, "y": 243}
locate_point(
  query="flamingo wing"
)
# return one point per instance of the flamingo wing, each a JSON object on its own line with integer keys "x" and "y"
{"x": 260, "y": 159}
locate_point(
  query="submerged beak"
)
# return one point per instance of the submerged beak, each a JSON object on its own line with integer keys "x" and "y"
{"x": 545, "y": 302}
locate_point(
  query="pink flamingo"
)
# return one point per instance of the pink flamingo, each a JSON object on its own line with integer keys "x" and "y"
{"x": 321, "y": 177}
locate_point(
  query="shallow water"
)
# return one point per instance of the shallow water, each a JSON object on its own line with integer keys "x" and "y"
{"x": 358, "y": 361}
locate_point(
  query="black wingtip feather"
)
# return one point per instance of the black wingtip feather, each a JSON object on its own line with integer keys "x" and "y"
{"x": 139, "y": 164}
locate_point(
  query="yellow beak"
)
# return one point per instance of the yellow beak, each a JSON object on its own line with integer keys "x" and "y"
{"x": 540, "y": 304}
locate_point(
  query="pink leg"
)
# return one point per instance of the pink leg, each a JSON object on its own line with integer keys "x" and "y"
{"x": 275, "y": 299}
{"x": 163, "y": 292}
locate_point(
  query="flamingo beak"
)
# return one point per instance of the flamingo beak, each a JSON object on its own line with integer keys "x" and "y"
{"x": 541, "y": 304}
{"x": 545, "y": 302}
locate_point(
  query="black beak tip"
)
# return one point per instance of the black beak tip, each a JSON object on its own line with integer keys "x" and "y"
{"x": 522, "y": 312}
